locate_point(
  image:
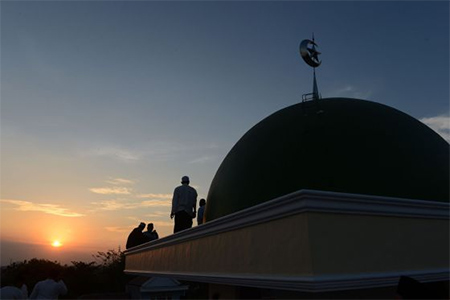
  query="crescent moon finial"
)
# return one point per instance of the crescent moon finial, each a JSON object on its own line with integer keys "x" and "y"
{"x": 309, "y": 52}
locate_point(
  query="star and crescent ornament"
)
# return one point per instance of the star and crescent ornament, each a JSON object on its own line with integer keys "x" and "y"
{"x": 309, "y": 53}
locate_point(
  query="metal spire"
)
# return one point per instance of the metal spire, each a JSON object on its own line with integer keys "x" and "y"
{"x": 315, "y": 88}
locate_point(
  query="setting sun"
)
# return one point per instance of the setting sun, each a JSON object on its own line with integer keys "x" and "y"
{"x": 56, "y": 244}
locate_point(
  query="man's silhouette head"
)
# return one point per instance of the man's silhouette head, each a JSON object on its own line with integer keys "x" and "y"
{"x": 185, "y": 180}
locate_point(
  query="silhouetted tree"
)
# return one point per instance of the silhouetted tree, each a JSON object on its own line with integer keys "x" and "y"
{"x": 81, "y": 278}
{"x": 111, "y": 266}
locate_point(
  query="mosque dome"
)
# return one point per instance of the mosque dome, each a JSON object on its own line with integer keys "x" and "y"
{"x": 334, "y": 144}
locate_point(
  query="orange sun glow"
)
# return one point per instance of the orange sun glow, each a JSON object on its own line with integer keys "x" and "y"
{"x": 56, "y": 244}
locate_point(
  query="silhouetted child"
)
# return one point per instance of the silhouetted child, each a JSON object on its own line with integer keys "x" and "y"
{"x": 201, "y": 211}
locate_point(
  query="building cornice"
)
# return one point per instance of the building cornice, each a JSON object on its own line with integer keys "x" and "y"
{"x": 307, "y": 201}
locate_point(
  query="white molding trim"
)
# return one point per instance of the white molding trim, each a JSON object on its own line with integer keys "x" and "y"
{"x": 308, "y": 284}
{"x": 306, "y": 201}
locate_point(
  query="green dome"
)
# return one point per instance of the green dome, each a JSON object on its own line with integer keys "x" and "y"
{"x": 335, "y": 144}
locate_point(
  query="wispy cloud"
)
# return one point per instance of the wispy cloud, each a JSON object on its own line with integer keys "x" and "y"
{"x": 113, "y": 205}
{"x": 122, "y": 154}
{"x": 155, "y": 200}
{"x": 155, "y": 196}
{"x": 212, "y": 146}
{"x": 111, "y": 190}
{"x": 162, "y": 224}
{"x": 119, "y": 229}
{"x": 156, "y": 203}
{"x": 351, "y": 92}
{"x": 202, "y": 160}
{"x": 440, "y": 124}
{"x": 157, "y": 214}
{"x": 118, "y": 181}
{"x": 127, "y": 229}
{"x": 172, "y": 150}
{"x": 52, "y": 209}
{"x": 154, "y": 150}
{"x": 133, "y": 218}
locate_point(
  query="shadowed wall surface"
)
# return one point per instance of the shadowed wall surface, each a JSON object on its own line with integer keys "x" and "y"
{"x": 334, "y": 144}
{"x": 308, "y": 241}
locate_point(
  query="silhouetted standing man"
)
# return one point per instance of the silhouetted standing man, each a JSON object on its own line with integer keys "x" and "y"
{"x": 184, "y": 204}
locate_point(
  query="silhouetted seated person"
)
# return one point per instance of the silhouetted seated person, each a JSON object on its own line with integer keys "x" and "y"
{"x": 14, "y": 292}
{"x": 50, "y": 288}
{"x": 136, "y": 236}
{"x": 151, "y": 234}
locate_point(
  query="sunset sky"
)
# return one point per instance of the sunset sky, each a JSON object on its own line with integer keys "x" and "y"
{"x": 106, "y": 104}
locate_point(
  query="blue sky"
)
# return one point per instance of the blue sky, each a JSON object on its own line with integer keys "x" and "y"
{"x": 105, "y": 105}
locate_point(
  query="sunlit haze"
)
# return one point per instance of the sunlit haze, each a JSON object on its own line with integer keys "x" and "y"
{"x": 56, "y": 244}
{"x": 105, "y": 105}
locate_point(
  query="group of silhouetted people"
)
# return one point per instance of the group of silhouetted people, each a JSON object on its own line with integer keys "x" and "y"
{"x": 50, "y": 288}
{"x": 138, "y": 236}
{"x": 184, "y": 209}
